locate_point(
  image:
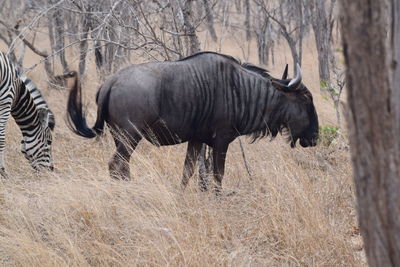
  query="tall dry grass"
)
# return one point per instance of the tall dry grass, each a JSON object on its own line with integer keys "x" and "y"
{"x": 297, "y": 208}
{"x": 292, "y": 211}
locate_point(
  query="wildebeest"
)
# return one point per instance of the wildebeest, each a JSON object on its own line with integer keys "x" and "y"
{"x": 205, "y": 98}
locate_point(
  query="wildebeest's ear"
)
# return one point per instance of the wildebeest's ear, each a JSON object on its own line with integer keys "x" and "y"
{"x": 281, "y": 86}
{"x": 285, "y": 72}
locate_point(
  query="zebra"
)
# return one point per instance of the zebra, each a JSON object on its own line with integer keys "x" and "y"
{"x": 20, "y": 97}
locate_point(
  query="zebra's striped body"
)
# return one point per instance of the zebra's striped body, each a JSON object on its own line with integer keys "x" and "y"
{"x": 20, "y": 98}
{"x": 33, "y": 90}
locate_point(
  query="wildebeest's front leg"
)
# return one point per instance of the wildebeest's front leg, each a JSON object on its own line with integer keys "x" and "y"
{"x": 119, "y": 163}
{"x": 219, "y": 155}
{"x": 192, "y": 154}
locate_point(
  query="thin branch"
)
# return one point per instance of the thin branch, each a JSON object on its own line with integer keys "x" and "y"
{"x": 244, "y": 160}
{"x": 177, "y": 33}
{"x": 41, "y": 14}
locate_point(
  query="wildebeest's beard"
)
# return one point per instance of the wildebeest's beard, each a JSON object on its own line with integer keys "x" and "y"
{"x": 282, "y": 129}
{"x": 309, "y": 136}
{"x": 271, "y": 132}
{"x": 289, "y": 137}
{"x": 289, "y": 134}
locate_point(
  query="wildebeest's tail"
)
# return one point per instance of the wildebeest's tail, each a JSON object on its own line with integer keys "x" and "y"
{"x": 76, "y": 115}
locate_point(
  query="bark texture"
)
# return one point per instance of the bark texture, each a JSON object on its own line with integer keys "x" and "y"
{"x": 322, "y": 32}
{"x": 371, "y": 43}
{"x": 210, "y": 20}
{"x": 190, "y": 30}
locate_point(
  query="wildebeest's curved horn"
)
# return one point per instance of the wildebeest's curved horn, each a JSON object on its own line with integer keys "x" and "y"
{"x": 294, "y": 83}
{"x": 285, "y": 72}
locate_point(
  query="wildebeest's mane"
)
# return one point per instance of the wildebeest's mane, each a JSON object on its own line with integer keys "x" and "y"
{"x": 274, "y": 126}
{"x": 210, "y": 52}
{"x": 302, "y": 91}
{"x": 263, "y": 72}
{"x": 248, "y": 66}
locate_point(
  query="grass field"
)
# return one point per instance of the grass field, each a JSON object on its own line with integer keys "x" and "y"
{"x": 297, "y": 207}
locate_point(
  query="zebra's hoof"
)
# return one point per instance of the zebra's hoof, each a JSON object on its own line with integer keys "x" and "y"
{"x": 3, "y": 173}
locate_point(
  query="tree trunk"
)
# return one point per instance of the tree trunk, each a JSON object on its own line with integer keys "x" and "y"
{"x": 292, "y": 45}
{"x": 50, "y": 28}
{"x": 210, "y": 19}
{"x": 83, "y": 44}
{"x": 374, "y": 104}
{"x": 238, "y": 4}
{"x": 247, "y": 19}
{"x": 301, "y": 29}
{"x": 292, "y": 42}
{"x": 59, "y": 38}
{"x": 190, "y": 30}
{"x": 262, "y": 42}
{"x": 321, "y": 28}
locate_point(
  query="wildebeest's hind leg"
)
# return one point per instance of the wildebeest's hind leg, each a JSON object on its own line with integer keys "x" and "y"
{"x": 119, "y": 163}
{"x": 192, "y": 154}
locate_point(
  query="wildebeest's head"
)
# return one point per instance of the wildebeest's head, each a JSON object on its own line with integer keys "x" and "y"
{"x": 300, "y": 116}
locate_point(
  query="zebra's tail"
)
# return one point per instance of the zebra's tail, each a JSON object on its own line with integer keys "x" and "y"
{"x": 76, "y": 116}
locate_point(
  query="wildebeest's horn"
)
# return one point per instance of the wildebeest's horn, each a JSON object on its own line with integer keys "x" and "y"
{"x": 285, "y": 72}
{"x": 294, "y": 83}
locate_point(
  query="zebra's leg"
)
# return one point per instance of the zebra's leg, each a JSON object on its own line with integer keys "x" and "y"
{"x": 4, "y": 115}
{"x": 119, "y": 163}
{"x": 192, "y": 154}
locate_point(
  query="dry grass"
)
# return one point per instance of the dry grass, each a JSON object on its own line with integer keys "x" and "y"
{"x": 296, "y": 209}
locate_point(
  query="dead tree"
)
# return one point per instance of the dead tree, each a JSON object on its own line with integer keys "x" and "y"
{"x": 48, "y": 65}
{"x": 371, "y": 42}
{"x": 55, "y": 27}
{"x": 265, "y": 33}
{"x": 322, "y": 23}
{"x": 247, "y": 19}
{"x": 290, "y": 20}
{"x": 260, "y": 30}
{"x": 210, "y": 19}
{"x": 9, "y": 21}
{"x": 189, "y": 28}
